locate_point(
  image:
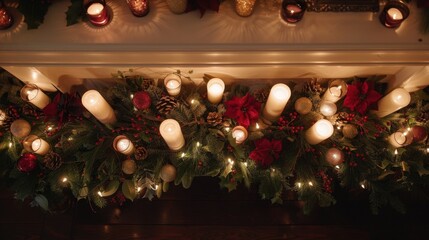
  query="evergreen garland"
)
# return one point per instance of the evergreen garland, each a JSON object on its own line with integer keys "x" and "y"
{"x": 89, "y": 166}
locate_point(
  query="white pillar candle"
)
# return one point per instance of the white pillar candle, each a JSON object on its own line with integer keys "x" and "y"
{"x": 327, "y": 108}
{"x": 336, "y": 90}
{"x": 172, "y": 134}
{"x": 173, "y": 84}
{"x": 276, "y": 102}
{"x": 400, "y": 139}
{"x": 97, "y": 106}
{"x": 123, "y": 145}
{"x": 320, "y": 131}
{"x": 239, "y": 133}
{"x": 392, "y": 102}
{"x": 40, "y": 146}
{"x": 215, "y": 88}
{"x": 31, "y": 93}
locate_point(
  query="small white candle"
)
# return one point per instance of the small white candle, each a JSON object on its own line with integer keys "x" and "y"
{"x": 239, "y": 133}
{"x": 400, "y": 139}
{"x": 327, "y": 108}
{"x": 215, "y": 88}
{"x": 40, "y": 146}
{"x": 392, "y": 102}
{"x": 395, "y": 14}
{"x": 95, "y": 9}
{"x": 123, "y": 145}
{"x": 97, "y": 106}
{"x": 172, "y": 134}
{"x": 173, "y": 84}
{"x": 276, "y": 102}
{"x": 320, "y": 131}
{"x": 31, "y": 93}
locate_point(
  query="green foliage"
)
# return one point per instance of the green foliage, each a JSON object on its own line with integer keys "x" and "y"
{"x": 74, "y": 12}
{"x": 91, "y": 165}
{"x": 34, "y": 12}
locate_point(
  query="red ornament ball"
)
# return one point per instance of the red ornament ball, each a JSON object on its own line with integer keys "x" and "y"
{"x": 142, "y": 100}
{"x": 419, "y": 133}
{"x": 334, "y": 156}
{"x": 27, "y": 162}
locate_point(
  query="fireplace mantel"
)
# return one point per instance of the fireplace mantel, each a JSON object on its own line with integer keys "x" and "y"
{"x": 260, "y": 46}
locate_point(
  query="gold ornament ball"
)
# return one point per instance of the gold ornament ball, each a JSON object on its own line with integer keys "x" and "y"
{"x": 129, "y": 166}
{"x": 20, "y": 128}
{"x": 303, "y": 105}
{"x": 350, "y": 131}
{"x": 334, "y": 156}
{"x": 168, "y": 173}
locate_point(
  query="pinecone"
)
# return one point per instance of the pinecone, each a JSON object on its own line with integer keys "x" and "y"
{"x": 166, "y": 104}
{"x": 52, "y": 161}
{"x": 140, "y": 153}
{"x": 11, "y": 115}
{"x": 312, "y": 87}
{"x": 423, "y": 117}
{"x": 27, "y": 109}
{"x": 147, "y": 83}
{"x": 214, "y": 119}
{"x": 261, "y": 95}
{"x": 343, "y": 118}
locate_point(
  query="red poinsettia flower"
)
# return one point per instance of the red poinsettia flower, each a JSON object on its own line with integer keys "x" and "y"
{"x": 62, "y": 108}
{"x": 266, "y": 151}
{"x": 361, "y": 96}
{"x": 244, "y": 110}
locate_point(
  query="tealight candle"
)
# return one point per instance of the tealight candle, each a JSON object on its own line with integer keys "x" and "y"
{"x": 123, "y": 145}
{"x": 215, "y": 88}
{"x": 97, "y": 13}
{"x": 292, "y": 11}
{"x": 33, "y": 143}
{"x": 139, "y": 8}
{"x": 97, "y": 106}
{"x": 328, "y": 109}
{"x": 276, "y": 102}
{"x": 172, "y": 134}
{"x": 400, "y": 138}
{"x": 6, "y": 19}
{"x": 394, "y": 13}
{"x": 336, "y": 90}
{"x": 31, "y": 93}
{"x": 320, "y": 131}
{"x": 173, "y": 84}
{"x": 392, "y": 102}
{"x": 239, "y": 133}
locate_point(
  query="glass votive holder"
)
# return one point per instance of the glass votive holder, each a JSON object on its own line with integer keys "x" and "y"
{"x": 6, "y": 19}
{"x": 97, "y": 12}
{"x": 292, "y": 11}
{"x": 394, "y": 13}
{"x": 139, "y": 8}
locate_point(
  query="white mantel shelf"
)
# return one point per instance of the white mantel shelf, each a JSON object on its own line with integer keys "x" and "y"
{"x": 163, "y": 38}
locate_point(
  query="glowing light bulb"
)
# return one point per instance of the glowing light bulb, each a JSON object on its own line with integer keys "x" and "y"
{"x": 299, "y": 184}
{"x": 99, "y": 194}
{"x": 310, "y": 183}
{"x": 64, "y": 180}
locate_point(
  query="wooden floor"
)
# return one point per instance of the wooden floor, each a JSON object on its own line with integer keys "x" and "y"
{"x": 206, "y": 212}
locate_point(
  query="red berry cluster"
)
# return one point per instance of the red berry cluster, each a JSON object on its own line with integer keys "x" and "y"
{"x": 327, "y": 181}
{"x": 100, "y": 141}
{"x": 380, "y": 129}
{"x": 118, "y": 199}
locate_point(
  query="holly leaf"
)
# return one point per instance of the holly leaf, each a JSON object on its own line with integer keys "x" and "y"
{"x": 74, "y": 12}
{"x": 34, "y": 12}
